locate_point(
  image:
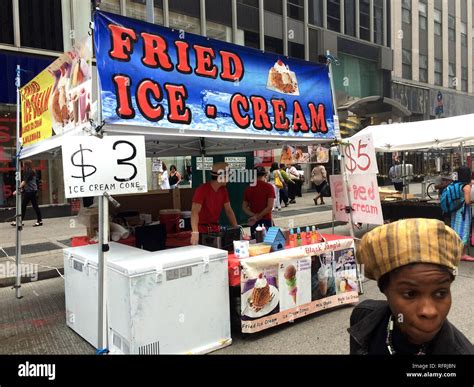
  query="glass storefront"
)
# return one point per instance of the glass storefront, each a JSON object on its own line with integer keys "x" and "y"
{"x": 50, "y": 172}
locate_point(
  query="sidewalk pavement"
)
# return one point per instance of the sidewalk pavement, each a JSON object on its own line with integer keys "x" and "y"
{"x": 36, "y": 323}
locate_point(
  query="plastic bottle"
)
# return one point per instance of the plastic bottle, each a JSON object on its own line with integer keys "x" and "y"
{"x": 314, "y": 235}
{"x": 259, "y": 234}
{"x": 308, "y": 235}
{"x": 292, "y": 239}
{"x": 298, "y": 236}
{"x": 303, "y": 237}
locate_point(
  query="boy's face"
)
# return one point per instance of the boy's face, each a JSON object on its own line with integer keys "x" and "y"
{"x": 419, "y": 297}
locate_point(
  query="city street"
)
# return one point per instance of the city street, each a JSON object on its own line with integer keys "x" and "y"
{"x": 36, "y": 323}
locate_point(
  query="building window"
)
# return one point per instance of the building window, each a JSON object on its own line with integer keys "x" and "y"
{"x": 6, "y": 23}
{"x": 438, "y": 72}
{"x": 364, "y": 19}
{"x": 295, "y": 9}
{"x": 185, "y": 23}
{"x": 378, "y": 21}
{"x": 112, "y": 6}
{"x": 365, "y": 79}
{"x": 251, "y": 39}
{"x": 296, "y": 50}
{"x": 452, "y": 76}
{"x": 438, "y": 29}
{"x": 136, "y": 9}
{"x": 316, "y": 12}
{"x": 422, "y": 13}
{"x": 273, "y": 45}
{"x": 252, "y": 3}
{"x": 349, "y": 17}
{"x": 406, "y": 11}
{"x": 464, "y": 34}
{"x": 464, "y": 78}
{"x": 423, "y": 69}
{"x": 41, "y": 27}
{"x": 406, "y": 64}
{"x": 334, "y": 15}
{"x": 274, "y": 6}
{"x": 451, "y": 28}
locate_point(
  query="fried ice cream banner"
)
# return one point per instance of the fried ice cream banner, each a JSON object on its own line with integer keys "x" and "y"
{"x": 156, "y": 76}
{"x": 58, "y": 99}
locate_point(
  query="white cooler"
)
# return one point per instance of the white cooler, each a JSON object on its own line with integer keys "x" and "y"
{"x": 81, "y": 285}
{"x": 170, "y": 302}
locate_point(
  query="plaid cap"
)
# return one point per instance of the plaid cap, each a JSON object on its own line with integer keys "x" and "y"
{"x": 401, "y": 243}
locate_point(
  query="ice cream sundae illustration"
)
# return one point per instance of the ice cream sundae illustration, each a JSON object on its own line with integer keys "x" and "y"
{"x": 261, "y": 293}
{"x": 290, "y": 277}
{"x": 281, "y": 79}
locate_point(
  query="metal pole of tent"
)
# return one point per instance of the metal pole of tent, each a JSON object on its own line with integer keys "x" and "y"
{"x": 343, "y": 167}
{"x": 18, "y": 217}
{"x": 103, "y": 247}
{"x": 333, "y": 216}
{"x": 203, "y": 154}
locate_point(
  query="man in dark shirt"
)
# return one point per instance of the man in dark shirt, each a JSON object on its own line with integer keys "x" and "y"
{"x": 414, "y": 261}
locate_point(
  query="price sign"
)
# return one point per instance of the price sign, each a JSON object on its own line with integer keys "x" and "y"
{"x": 359, "y": 155}
{"x": 365, "y": 199}
{"x": 92, "y": 166}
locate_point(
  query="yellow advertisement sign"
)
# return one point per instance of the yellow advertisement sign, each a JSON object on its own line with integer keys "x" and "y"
{"x": 36, "y": 120}
{"x": 58, "y": 99}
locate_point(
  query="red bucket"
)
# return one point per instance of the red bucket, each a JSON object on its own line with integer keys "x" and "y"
{"x": 170, "y": 218}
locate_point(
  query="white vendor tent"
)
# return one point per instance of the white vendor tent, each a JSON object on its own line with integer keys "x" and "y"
{"x": 431, "y": 134}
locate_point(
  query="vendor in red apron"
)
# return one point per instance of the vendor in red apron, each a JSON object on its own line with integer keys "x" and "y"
{"x": 208, "y": 201}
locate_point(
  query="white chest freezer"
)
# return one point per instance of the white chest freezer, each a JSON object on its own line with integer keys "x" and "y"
{"x": 81, "y": 285}
{"x": 171, "y": 302}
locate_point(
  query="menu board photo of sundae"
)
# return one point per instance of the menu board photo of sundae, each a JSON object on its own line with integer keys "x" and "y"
{"x": 260, "y": 296}
{"x": 282, "y": 80}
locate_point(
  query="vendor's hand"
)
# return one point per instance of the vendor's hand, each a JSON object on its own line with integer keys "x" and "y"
{"x": 14, "y": 193}
{"x": 194, "y": 238}
{"x": 252, "y": 220}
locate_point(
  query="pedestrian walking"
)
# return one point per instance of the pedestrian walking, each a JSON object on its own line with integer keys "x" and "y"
{"x": 276, "y": 180}
{"x": 29, "y": 192}
{"x": 397, "y": 181}
{"x": 461, "y": 219}
{"x": 319, "y": 178}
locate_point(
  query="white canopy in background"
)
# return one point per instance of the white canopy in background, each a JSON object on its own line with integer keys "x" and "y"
{"x": 431, "y": 134}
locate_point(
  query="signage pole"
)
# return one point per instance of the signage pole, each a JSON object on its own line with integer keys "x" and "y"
{"x": 102, "y": 257}
{"x": 333, "y": 215}
{"x": 18, "y": 217}
{"x": 341, "y": 150}
{"x": 345, "y": 177}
